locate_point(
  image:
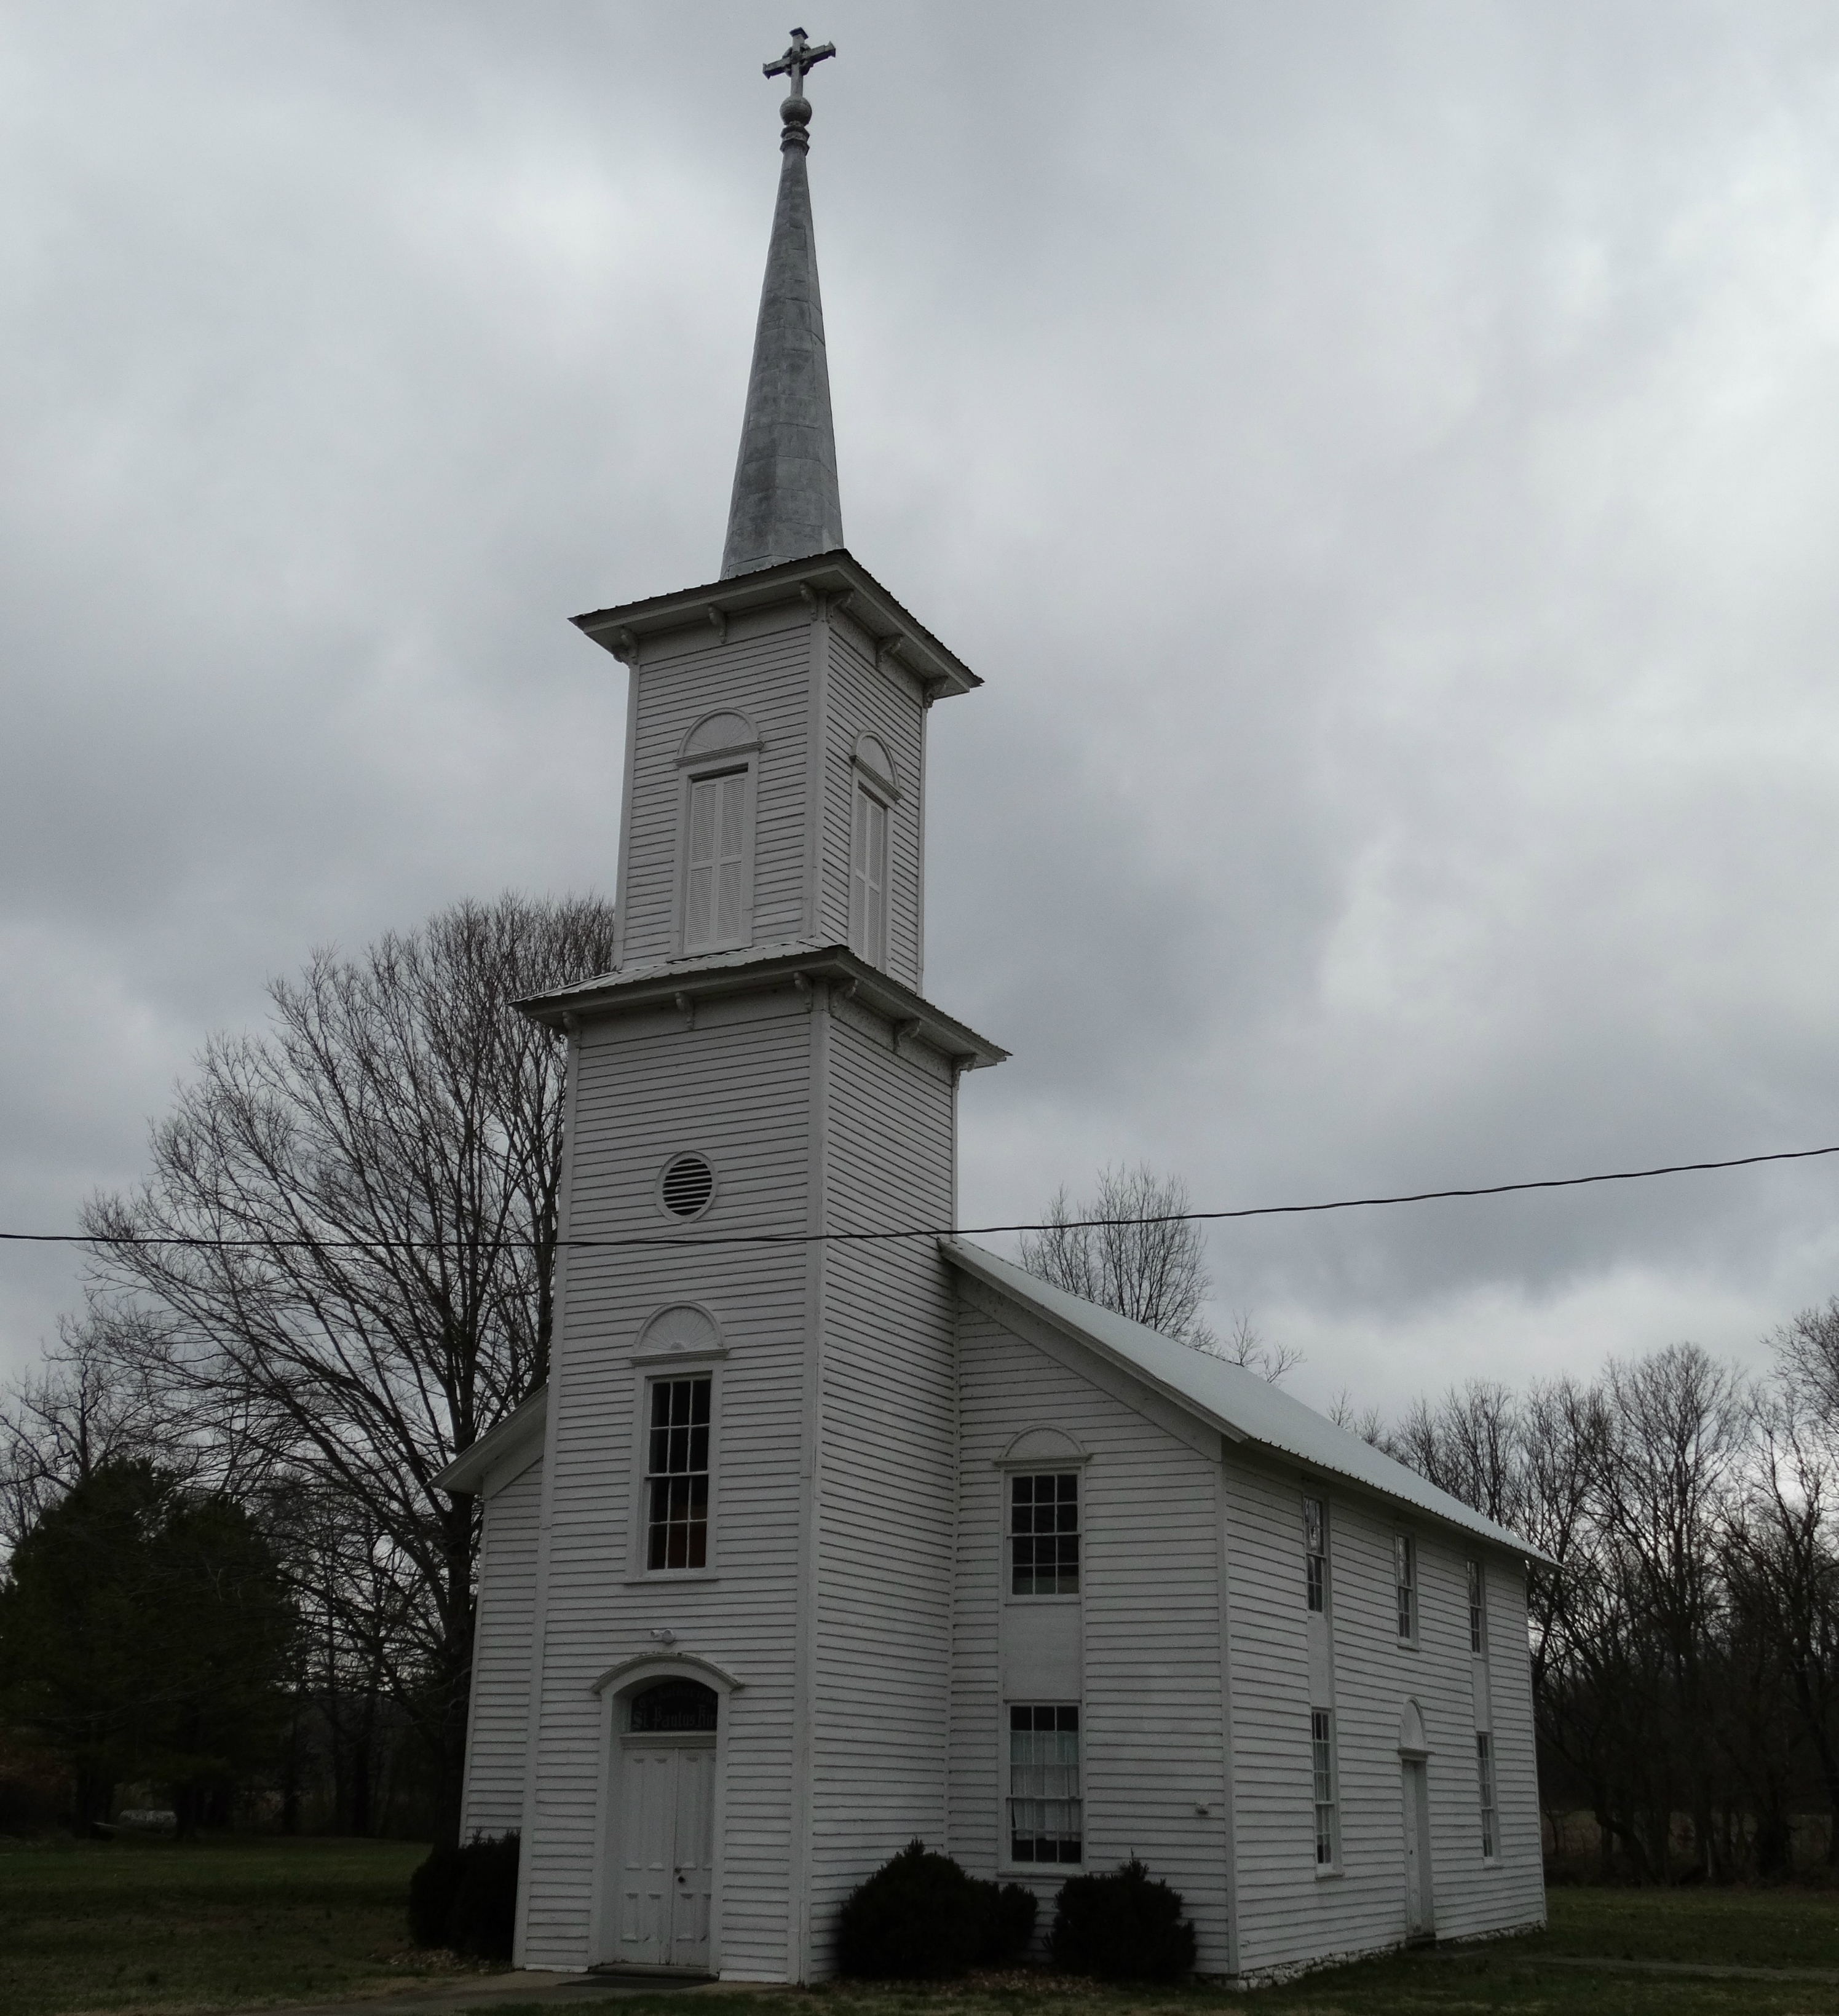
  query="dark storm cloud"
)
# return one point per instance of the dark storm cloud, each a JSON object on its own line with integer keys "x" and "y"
{"x": 1384, "y": 461}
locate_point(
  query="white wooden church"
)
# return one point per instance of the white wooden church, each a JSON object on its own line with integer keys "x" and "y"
{"x": 815, "y": 1544}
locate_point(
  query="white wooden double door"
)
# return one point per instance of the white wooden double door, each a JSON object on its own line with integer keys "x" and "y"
{"x": 665, "y": 1857}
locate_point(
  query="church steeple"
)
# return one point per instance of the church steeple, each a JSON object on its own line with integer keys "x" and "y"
{"x": 785, "y": 506}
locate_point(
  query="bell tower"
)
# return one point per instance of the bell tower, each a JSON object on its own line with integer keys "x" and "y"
{"x": 750, "y": 1467}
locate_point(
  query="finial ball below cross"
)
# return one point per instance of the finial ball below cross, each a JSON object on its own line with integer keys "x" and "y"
{"x": 797, "y": 60}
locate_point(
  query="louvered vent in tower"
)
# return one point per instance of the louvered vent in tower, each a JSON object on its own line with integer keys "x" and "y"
{"x": 686, "y": 1187}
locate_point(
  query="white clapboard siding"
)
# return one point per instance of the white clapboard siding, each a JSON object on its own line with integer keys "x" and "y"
{"x": 887, "y": 1473}
{"x": 762, "y": 671}
{"x": 886, "y": 703}
{"x": 737, "y": 1088}
{"x": 1152, "y": 1718}
{"x": 1287, "y": 1913}
{"x": 1521, "y": 1898}
{"x": 497, "y": 1721}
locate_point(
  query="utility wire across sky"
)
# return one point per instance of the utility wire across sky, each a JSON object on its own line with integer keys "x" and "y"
{"x": 310, "y": 1242}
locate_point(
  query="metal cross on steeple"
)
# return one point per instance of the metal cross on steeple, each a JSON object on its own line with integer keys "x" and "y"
{"x": 798, "y": 59}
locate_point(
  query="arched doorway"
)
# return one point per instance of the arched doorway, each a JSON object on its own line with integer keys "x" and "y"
{"x": 663, "y": 1858}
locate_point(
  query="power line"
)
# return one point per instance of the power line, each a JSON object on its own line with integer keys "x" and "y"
{"x": 311, "y": 1244}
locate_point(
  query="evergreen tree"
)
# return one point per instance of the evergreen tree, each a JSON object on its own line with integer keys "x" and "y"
{"x": 144, "y": 1633}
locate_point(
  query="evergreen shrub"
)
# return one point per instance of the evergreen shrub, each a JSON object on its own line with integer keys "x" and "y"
{"x": 466, "y": 1898}
{"x": 921, "y": 1917}
{"x": 1122, "y": 1926}
{"x": 432, "y": 1887}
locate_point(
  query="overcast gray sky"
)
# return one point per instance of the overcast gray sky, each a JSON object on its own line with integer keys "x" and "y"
{"x": 1383, "y": 459}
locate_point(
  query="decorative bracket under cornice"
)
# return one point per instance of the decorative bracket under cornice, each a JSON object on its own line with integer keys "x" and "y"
{"x": 686, "y": 1008}
{"x": 718, "y": 623}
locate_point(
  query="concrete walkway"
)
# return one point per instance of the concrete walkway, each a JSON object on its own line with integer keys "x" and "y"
{"x": 1693, "y": 1970}
{"x": 486, "y": 1992}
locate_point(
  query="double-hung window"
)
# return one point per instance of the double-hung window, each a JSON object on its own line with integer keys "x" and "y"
{"x": 1485, "y": 1771}
{"x": 1315, "y": 1553}
{"x": 1405, "y": 1586}
{"x": 1045, "y": 1810}
{"x": 1044, "y": 1533}
{"x": 1322, "y": 1763}
{"x": 677, "y": 1473}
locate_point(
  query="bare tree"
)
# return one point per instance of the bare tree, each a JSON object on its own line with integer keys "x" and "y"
{"x": 1130, "y": 1247}
{"x": 1665, "y": 1476}
{"x": 1469, "y": 1444}
{"x": 1246, "y": 1345}
{"x": 1807, "y": 1355}
{"x": 373, "y": 1184}
{"x": 90, "y": 1401}
{"x": 1783, "y": 1538}
{"x": 1354, "y": 1420}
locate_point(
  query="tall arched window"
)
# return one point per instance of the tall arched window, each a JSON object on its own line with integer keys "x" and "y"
{"x": 876, "y": 793}
{"x": 718, "y": 760}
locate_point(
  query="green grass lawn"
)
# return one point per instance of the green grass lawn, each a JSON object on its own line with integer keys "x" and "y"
{"x": 151, "y": 1924}
{"x": 166, "y": 1928}
{"x": 1731, "y": 1927}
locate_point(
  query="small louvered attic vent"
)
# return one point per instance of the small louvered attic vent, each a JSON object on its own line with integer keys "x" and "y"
{"x": 686, "y": 1187}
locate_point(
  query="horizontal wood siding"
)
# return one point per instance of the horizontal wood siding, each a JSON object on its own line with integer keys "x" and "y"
{"x": 888, "y": 1474}
{"x": 498, "y": 1715}
{"x": 883, "y": 702}
{"x": 1288, "y": 1913}
{"x": 1518, "y": 1897}
{"x": 1153, "y": 1718}
{"x": 737, "y": 1088}
{"x": 763, "y": 671}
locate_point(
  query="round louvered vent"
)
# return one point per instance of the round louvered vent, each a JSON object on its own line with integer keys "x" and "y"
{"x": 686, "y": 1187}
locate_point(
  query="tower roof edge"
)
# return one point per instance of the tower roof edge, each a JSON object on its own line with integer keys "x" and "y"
{"x": 838, "y": 575}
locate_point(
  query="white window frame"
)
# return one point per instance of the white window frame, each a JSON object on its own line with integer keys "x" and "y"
{"x": 1407, "y": 1576}
{"x": 1055, "y": 1466}
{"x": 702, "y": 766}
{"x": 1485, "y": 1786}
{"x": 1325, "y": 1790}
{"x": 1475, "y": 1589}
{"x": 650, "y": 1368}
{"x": 873, "y": 948}
{"x": 1009, "y": 1796}
{"x": 1315, "y": 1561}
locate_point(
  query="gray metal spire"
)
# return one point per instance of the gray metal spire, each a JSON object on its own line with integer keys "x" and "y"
{"x": 785, "y": 506}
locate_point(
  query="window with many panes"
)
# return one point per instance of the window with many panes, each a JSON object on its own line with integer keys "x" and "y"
{"x": 1316, "y": 1552}
{"x": 677, "y": 1474}
{"x": 1484, "y": 1768}
{"x": 1405, "y": 1581}
{"x": 1322, "y": 1760}
{"x": 1045, "y": 1810}
{"x": 1478, "y": 1612}
{"x": 1044, "y": 1533}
